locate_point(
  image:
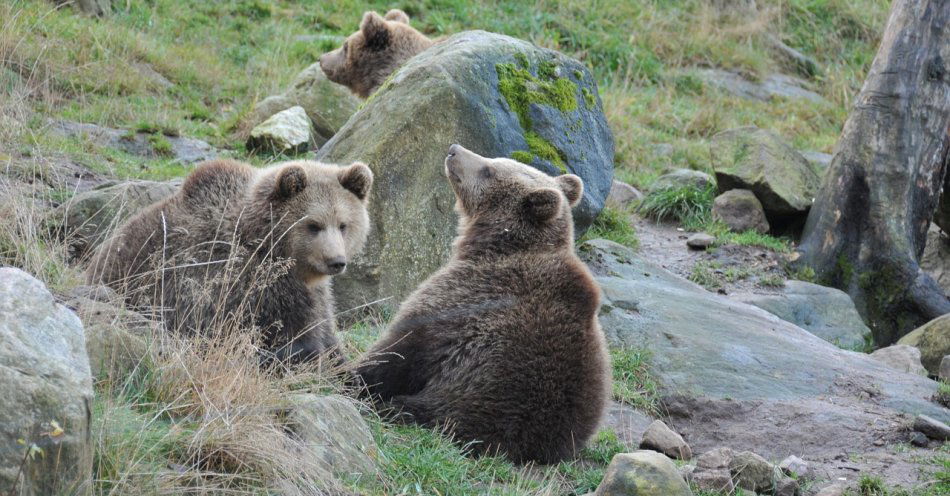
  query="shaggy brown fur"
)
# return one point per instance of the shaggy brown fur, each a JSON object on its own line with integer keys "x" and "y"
{"x": 502, "y": 345}
{"x": 239, "y": 246}
{"x": 374, "y": 52}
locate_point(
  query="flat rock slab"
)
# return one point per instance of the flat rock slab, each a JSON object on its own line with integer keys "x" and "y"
{"x": 773, "y": 85}
{"x": 184, "y": 150}
{"x": 825, "y": 312}
{"x": 731, "y": 374}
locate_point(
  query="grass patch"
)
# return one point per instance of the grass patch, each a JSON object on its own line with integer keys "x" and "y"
{"x": 685, "y": 204}
{"x": 633, "y": 383}
{"x": 747, "y": 238}
{"x": 613, "y": 225}
{"x": 942, "y": 396}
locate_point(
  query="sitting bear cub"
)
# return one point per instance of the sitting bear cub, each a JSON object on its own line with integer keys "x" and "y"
{"x": 374, "y": 52}
{"x": 502, "y": 345}
{"x": 242, "y": 247}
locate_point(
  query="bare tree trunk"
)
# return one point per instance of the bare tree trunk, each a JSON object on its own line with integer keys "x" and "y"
{"x": 868, "y": 226}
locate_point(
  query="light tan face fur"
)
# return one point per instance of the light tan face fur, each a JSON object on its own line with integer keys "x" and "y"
{"x": 326, "y": 220}
{"x": 483, "y": 185}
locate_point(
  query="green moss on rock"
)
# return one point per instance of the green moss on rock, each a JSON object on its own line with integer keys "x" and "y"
{"x": 520, "y": 89}
{"x": 589, "y": 98}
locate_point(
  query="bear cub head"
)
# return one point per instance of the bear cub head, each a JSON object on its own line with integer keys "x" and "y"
{"x": 506, "y": 206}
{"x": 318, "y": 214}
{"x": 371, "y": 54}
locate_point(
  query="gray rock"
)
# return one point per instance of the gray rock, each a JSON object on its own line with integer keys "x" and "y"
{"x": 329, "y": 105}
{"x": 627, "y": 422}
{"x": 919, "y": 439}
{"x": 728, "y": 372}
{"x": 686, "y": 472}
{"x": 936, "y": 258}
{"x": 741, "y": 211}
{"x": 450, "y": 94}
{"x": 758, "y": 160}
{"x": 932, "y": 340}
{"x": 45, "y": 382}
{"x": 819, "y": 161}
{"x": 901, "y": 357}
{"x": 659, "y": 437}
{"x": 700, "y": 241}
{"x": 833, "y": 490}
{"x": 932, "y": 428}
{"x": 752, "y": 472}
{"x": 98, "y": 8}
{"x": 786, "y": 487}
{"x": 287, "y": 131}
{"x": 622, "y": 195}
{"x": 116, "y": 338}
{"x": 719, "y": 479}
{"x": 152, "y": 76}
{"x": 184, "y": 150}
{"x": 683, "y": 178}
{"x": 793, "y": 59}
{"x": 773, "y": 85}
{"x": 794, "y": 466}
{"x": 825, "y": 312}
{"x": 944, "y": 372}
{"x": 88, "y": 218}
{"x": 643, "y": 473}
{"x": 334, "y": 433}
{"x": 715, "y": 459}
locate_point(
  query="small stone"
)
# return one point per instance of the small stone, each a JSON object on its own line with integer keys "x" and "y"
{"x": 752, "y": 472}
{"x": 715, "y": 459}
{"x": 687, "y": 472}
{"x": 741, "y": 211}
{"x": 700, "y": 241}
{"x": 932, "y": 428}
{"x": 794, "y": 466}
{"x": 287, "y": 131}
{"x": 901, "y": 357}
{"x": 644, "y": 473}
{"x": 918, "y": 439}
{"x": 786, "y": 487}
{"x": 714, "y": 480}
{"x": 944, "y": 372}
{"x": 622, "y": 195}
{"x": 832, "y": 490}
{"x": 659, "y": 437}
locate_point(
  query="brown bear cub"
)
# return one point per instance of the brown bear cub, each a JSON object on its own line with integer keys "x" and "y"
{"x": 502, "y": 345}
{"x": 374, "y": 52}
{"x": 244, "y": 247}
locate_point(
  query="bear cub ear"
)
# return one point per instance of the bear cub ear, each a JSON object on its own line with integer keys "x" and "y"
{"x": 397, "y": 16}
{"x": 357, "y": 179}
{"x": 572, "y": 186}
{"x": 290, "y": 182}
{"x": 375, "y": 32}
{"x": 542, "y": 204}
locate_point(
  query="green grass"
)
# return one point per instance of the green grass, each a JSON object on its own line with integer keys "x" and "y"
{"x": 613, "y": 225}
{"x": 685, "y": 204}
{"x": 633, "y": 384}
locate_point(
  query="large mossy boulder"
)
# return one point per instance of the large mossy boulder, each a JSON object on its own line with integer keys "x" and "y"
{"x": 329, "y": 105}
{"x": 933, "y": 341}
{"x": 729, "y": 372}
{"x": 758, "y": 160}
{"x": 45, "y": 392}
{"x": 495, "y": 95}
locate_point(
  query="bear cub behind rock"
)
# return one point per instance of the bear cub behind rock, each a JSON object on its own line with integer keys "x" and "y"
{"x": 245, "y": 247}
{"x": 371, "y": 54}
{"x": 502, "y": 345}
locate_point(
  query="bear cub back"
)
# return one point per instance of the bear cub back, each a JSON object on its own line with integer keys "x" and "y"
{"x": 375, "y": 51}
{"x": 243, "y": 247}
{"x": 502, "y": 344}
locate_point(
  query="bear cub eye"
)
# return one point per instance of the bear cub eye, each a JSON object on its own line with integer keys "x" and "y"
{"x": 314, "y": 227}
{"x": 486, "y": 172}
{"x": 342, "y": 227}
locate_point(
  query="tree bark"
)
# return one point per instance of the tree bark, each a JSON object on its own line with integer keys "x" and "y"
{"x": 867, "y": 228}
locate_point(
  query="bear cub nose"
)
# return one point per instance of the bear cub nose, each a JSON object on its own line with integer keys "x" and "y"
{"x": 336, "y": 265}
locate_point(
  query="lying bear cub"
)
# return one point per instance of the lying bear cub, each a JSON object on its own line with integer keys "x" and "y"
{"x": 245, "y": 247}
{"x": 502, "y": 345}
